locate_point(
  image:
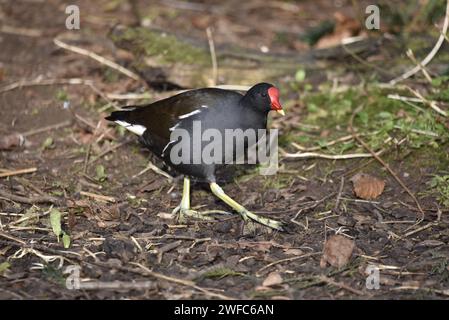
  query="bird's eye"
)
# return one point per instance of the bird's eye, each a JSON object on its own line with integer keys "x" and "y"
{"x": 264, "y": 94}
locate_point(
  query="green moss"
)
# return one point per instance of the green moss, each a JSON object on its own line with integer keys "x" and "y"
{"x": 166, "y": 47}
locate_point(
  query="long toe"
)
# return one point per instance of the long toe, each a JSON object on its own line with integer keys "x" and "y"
{"x": 274, "y": 224}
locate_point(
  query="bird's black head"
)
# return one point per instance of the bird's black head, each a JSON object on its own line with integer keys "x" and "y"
{"x": 264, "y": 97}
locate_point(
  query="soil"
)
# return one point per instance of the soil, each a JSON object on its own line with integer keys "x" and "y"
{"x": 112, "y": 240}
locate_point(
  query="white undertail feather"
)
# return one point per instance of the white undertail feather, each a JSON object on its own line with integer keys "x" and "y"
{"x": 134, "y": 128}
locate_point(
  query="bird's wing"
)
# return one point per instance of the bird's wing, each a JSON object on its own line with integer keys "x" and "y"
{"x": 159, "y": 117}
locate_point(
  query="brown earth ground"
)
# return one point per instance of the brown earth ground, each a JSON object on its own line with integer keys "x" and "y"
{"x": 199, "y": 259}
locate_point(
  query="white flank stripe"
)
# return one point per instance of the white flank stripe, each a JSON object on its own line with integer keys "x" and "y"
{"x": 189, "y": 114}
{"x": 134, "y": 128}
{"x": 165, "y": 148}
{"x": 174, "y": 127}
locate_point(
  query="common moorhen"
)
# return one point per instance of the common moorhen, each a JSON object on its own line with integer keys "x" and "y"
{"x": 211, "y": 108}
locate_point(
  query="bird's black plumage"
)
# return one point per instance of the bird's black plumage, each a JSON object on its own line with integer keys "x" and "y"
{"x": 196, "y": 113}
{"x": 213, "y": 108}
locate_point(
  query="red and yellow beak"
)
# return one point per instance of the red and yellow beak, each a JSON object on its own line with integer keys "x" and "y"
{"x": 273, "y": 92}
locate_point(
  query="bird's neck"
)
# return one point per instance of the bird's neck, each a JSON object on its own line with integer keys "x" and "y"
{"x": 250, "y": 114}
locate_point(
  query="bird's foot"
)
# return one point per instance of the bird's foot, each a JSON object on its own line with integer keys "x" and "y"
{"x": 273, "y": 224}
{"x": 200, "y": 215}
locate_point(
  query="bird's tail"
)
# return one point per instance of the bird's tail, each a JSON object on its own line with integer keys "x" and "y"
{"x": 122, "y": 115}
{"x": 127, "y": 119}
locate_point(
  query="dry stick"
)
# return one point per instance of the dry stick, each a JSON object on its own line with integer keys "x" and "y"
{"x": 431, "y": 54}
{"x": 98, "y": 58}
{"x": 386, "y": 166}
{"x": 44, "y": 82}
{"x": 97, "y": 196}
{"x": 41, "y": 199}
{"x": 101, "y": 155}
{"x": 340, "y": 191}
{"x": 30, "y": 185}
{"x": 154, "y": 168}
{"x": 183, "y": 282}
{"x": 17, "y": 172}
{"x": 431, "y": 104}
{"x": 304, "y": 155}
{"x": 129, "y": 96}
{"x": 258, "y": 273}
{"x": 50, "y": 82}
{"x": 327, "y": 144}
{"x": 21, "y": 31}
{"x": 340, "y": 285}
{"x": 213, "y": 57}
{"x": 430, "y": 224}
{"x": 362, "y": 61}
{"x": 47, "y": 128}
{"x": 421, "y": 67}
{"x": 437, "y": 291}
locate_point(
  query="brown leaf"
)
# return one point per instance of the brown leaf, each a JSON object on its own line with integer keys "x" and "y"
{"x": 294, "y": 252}
{"x": 367, "y": 187}
{"x": 337, "y": 251}
{"x": 345, "y": 27}
{"x": 274, "y": 278}
{"x": 10, "y": 141}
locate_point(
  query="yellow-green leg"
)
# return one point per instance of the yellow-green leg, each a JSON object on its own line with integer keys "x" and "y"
{"x": 218, "y": 191}
{"x": 184, "y": 207}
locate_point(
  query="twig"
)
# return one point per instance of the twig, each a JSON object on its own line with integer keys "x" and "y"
{"x": 44, "y": 82}
{"x": 110, "y": 149}
{"x": 10, "y": 237}
{"x": 304, "y": 155}
{"x": 97, "y": 196}
{"x": 47, "y": 128}
{"x": 34, "y": 33}
{"x": 258, "y": 273}
{"x": 327, "y": 144}
{"x": 30, "y": 185}
{"x": 151, "y": 166}
{"x": 213, "y": 56}
{"x": 183, "y": 282}
{"x": 86, "y": 157}
{"x": 340, "y": 285}
{"x": 40, "y": 199}
{"x": 17, "y": 172}
{"x": 431, "y": 54}
{"x": 441, "y": 292}
{"x": 340, "y": 190}
{"x": 386, "y": 166}
{"x": 431, "y": 104}
{"x": 129, "y": 96}
{"x": 364, "y": 62}
{"x": 168, "y": 247}
{"x": 98, "y": 58}
{"x": 421, "y": 67}
{"x": 404, "y": 99}
{"x": 430, "y": 224}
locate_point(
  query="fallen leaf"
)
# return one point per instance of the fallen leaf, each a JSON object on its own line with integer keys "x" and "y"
{"x": 4, "y": 266}
{"x": 345, "y": 27}
{"x": 337, "y": 251}
{"x": 10, "y": 141}
{"x": 367, "y": 187}
{"x": 55, "y": 221}
{"x": 294, "y": 252}
{"x": 47, "y": 143}
{"x": 274, "y": 278}
{"x": 66, "y": 240}
{"x": 31, "y": 217}
{"x": 100, "y": 173}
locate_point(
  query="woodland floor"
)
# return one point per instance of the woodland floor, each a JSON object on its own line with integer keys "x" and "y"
{"x": 112, "y": 239}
